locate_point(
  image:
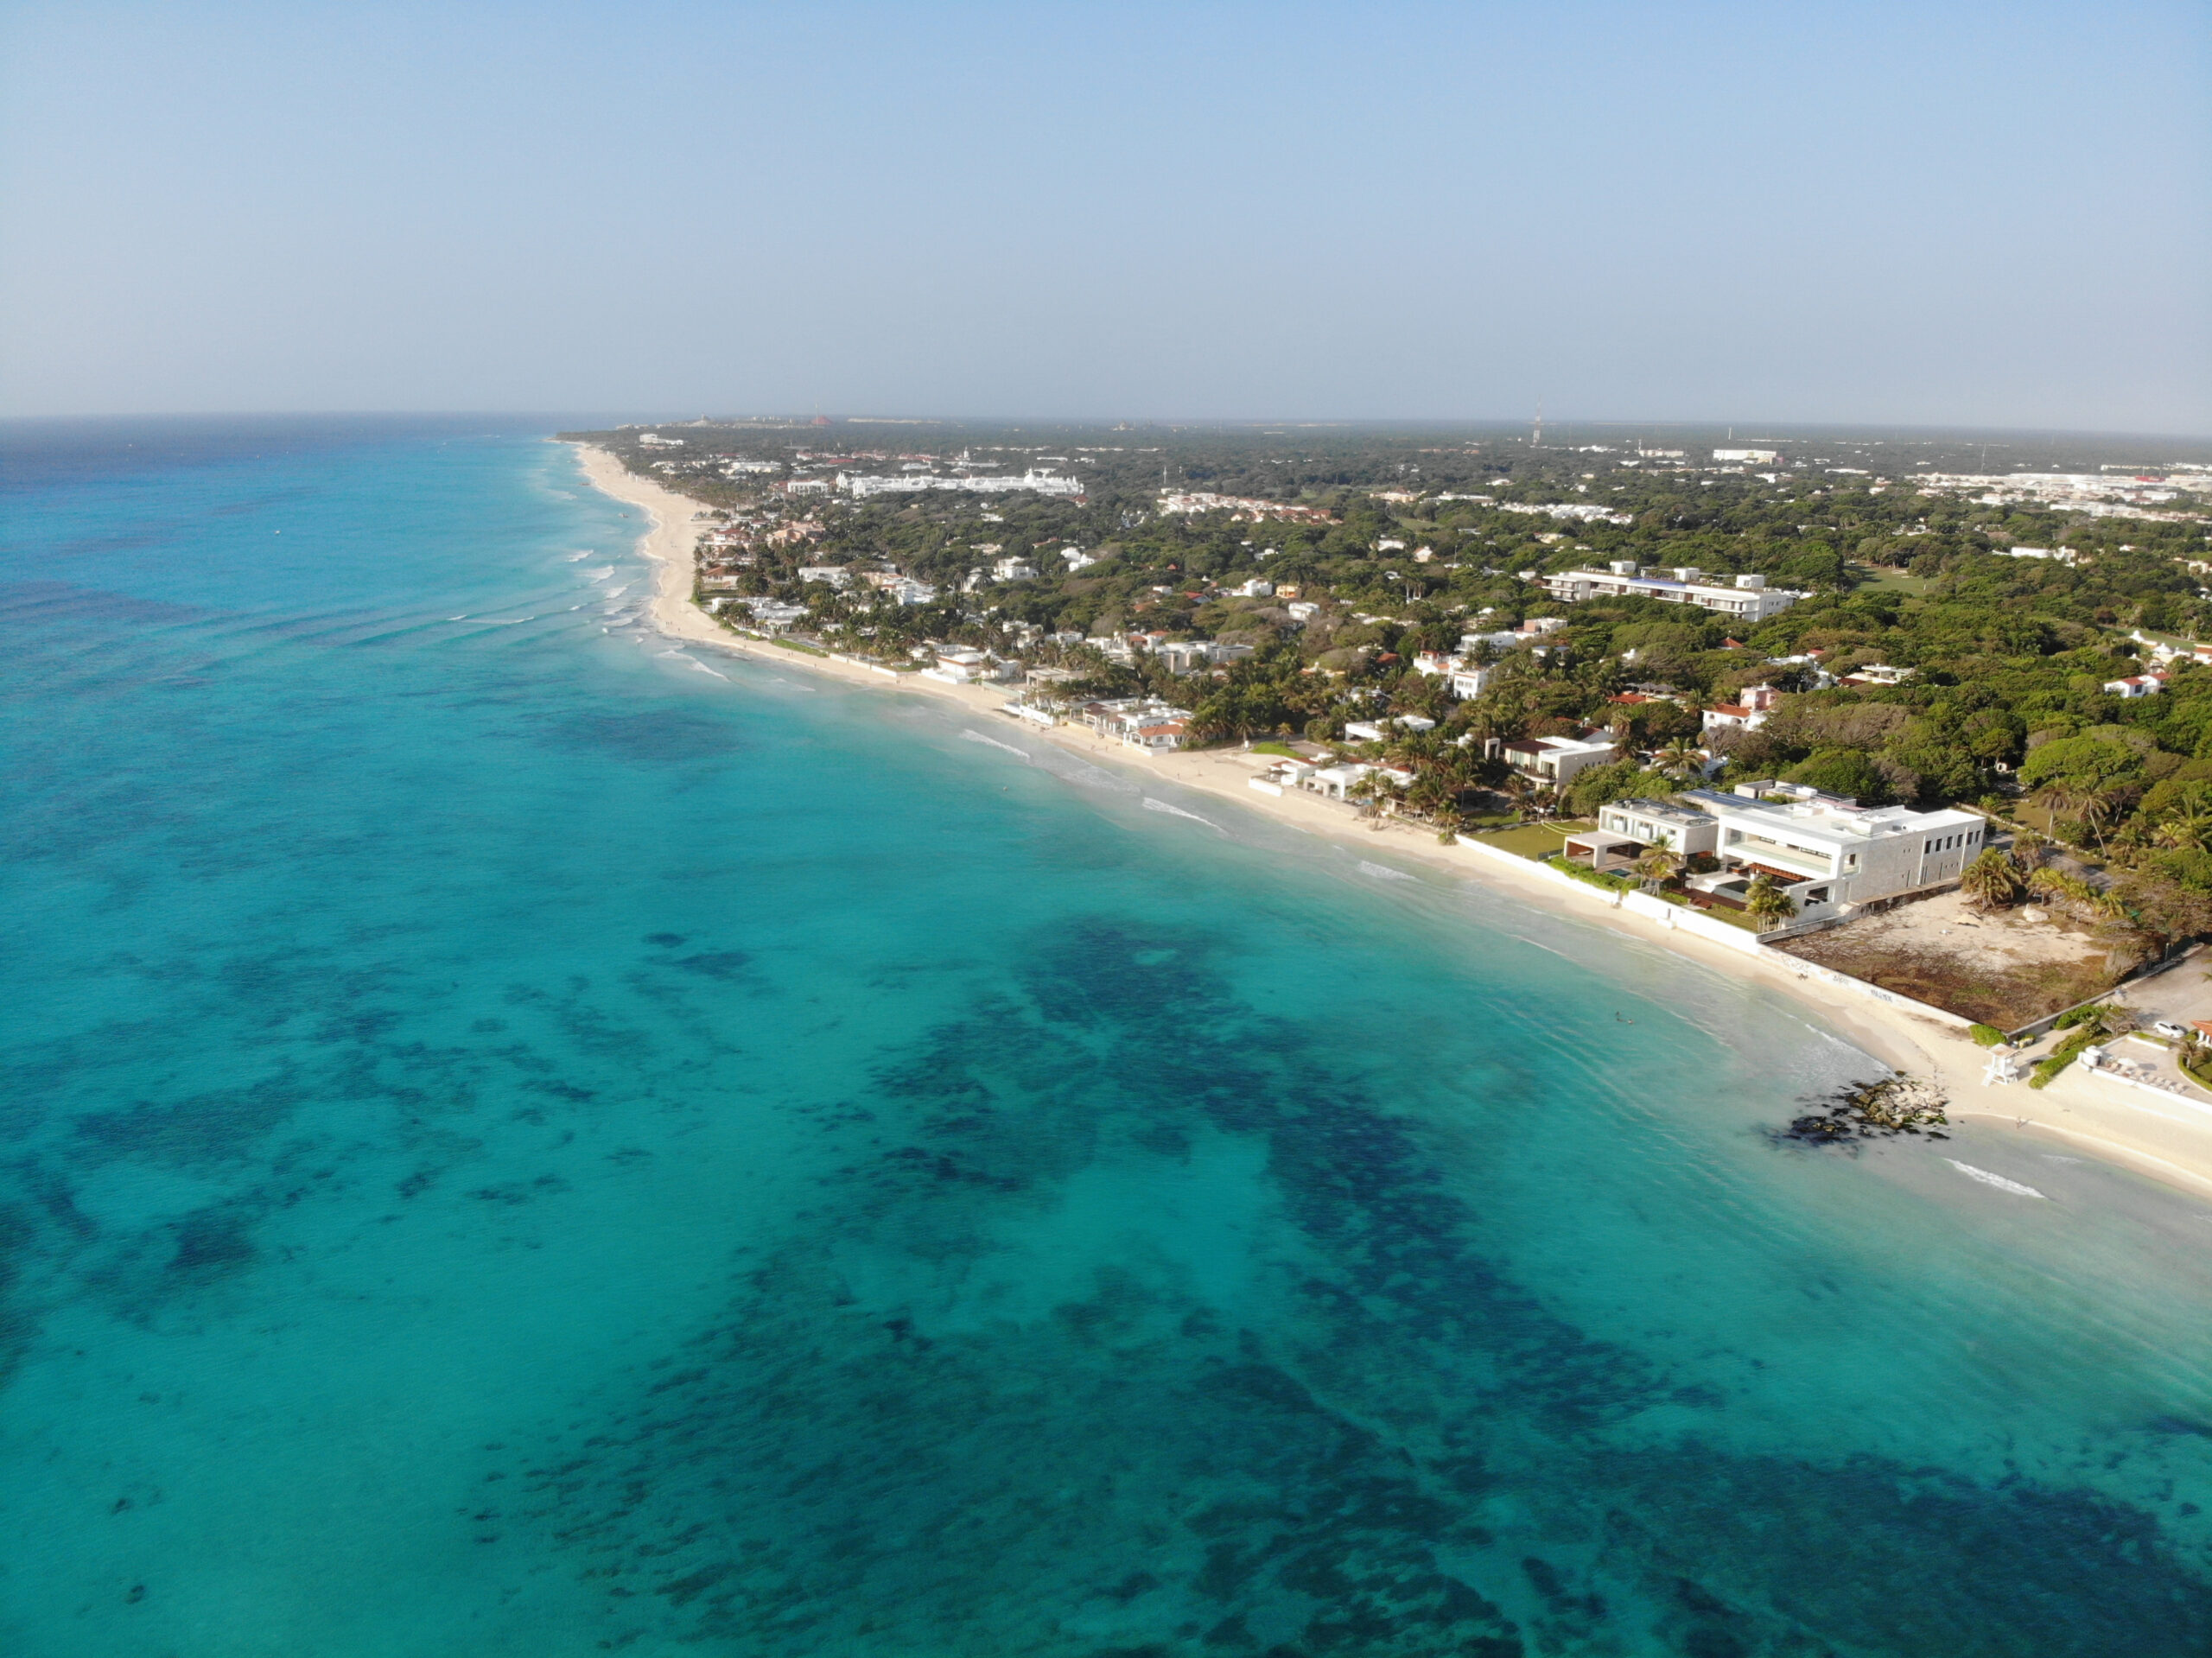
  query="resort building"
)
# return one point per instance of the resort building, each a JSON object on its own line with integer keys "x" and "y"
{"x": 1188, "y": 655}
{"x": 1139, "y": 721}
{"x": 1382, "y": 730}
{"x": 773, "y": 613}
{"x": 860, "y": 487}
{"x": 1750, "y": 600}
{"x": 960, "y": 667}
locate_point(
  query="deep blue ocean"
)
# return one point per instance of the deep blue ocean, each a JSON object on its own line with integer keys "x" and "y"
{"x": 516, "y": 1139}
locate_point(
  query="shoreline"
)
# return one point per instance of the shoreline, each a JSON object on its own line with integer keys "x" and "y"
{"x": 2077, "y": 1110}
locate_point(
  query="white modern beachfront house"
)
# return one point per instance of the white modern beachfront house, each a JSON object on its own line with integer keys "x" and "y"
{"x": 1661, "y": 823}
{"x": 1827, "y": 852}
{"x": 1750, "y": 600}
{"x": 1828, "y": 855}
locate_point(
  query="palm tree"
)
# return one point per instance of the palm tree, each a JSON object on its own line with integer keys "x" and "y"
{"x": 2096, "y": 808}
{"x": 2052, "y": 882}
{"x": 2058, "y": 797}
{"x": 2183, "y": 833}
{"x": 1768, "y": 904}
{"x": 1990, "y": 881}
{"x": 1679, "y": 760}
{"x": 1657, "y": 867}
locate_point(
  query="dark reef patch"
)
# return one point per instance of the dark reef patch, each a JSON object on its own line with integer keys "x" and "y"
{"x": 715, "y": 964}
{"x": 661, "y": 736}
{"x": 1393, "y": 1448}
{"x": 211, "y": 1242}
{"x": 201, "y": 1129}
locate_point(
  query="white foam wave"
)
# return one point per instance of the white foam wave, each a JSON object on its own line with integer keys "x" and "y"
{"x": 599, "y": 575}
{"x": 1997, "y": 1180}
{"x": 616, "y": 592}
{"x": 2053, "y": 1157}
{"x": 1381, "y": 872}
{"x": 978, "y": 737}
{"x": 501, "y": 621}
{"x": 1152, "y": 805}
{"x": 1066, "y": 767}
{"x": 577, "y": 558}
{"x": 703, "y": 669}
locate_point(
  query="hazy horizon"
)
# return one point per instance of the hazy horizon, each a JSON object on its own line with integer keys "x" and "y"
{"x": 1963, "y": 217}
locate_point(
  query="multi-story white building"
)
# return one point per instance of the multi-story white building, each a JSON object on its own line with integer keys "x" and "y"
{"x": 1748, "y": 600}
{"x": 1188, "y": 655}
{"x": 1468, "y": 679}
{"x": 1826, "y": 853}
{"x": 861, "y": 486}
{"x": 1556, "y": 760}
{"x": 1661, "y": 822}
{"x": 1752, "y": 457}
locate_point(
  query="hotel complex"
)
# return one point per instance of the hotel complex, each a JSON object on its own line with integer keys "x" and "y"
{"x": 1750, "y": 598}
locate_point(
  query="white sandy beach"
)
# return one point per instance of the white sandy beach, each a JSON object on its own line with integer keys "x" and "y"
{"x": 2169, "y": 1138}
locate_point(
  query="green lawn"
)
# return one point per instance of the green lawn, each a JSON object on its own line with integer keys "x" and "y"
{"x": 1535, "y": 840}
{"x": 1881, "y": 577}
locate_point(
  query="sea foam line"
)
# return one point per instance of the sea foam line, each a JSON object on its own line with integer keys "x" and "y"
{"x": 1997, "y": 1180}
{"x": 1382, "y": 872}
{"x": 1152, "y": 805}
{"x": 978, "y": 737}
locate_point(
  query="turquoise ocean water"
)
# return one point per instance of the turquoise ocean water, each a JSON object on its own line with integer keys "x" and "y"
{"x": 517, "y": 1139}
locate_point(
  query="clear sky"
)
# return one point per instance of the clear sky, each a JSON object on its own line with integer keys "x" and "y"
{"x": 1995, "y": 215}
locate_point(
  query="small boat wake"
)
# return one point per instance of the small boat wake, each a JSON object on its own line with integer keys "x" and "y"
{"x": 1152, "y": 805}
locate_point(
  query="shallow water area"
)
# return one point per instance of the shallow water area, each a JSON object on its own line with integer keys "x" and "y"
{"x": 522, "y": 1137}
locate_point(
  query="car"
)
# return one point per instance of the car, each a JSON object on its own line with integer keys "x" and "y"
{"x": 2170, "y": 1031}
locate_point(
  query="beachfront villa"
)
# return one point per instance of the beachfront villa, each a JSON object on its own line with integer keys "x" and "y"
{"x": 1138, "y": 721}
{"x": 1555, "y": 761}
{"x": 1661, "y": 823}
{"x": 1828, "y": 855}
